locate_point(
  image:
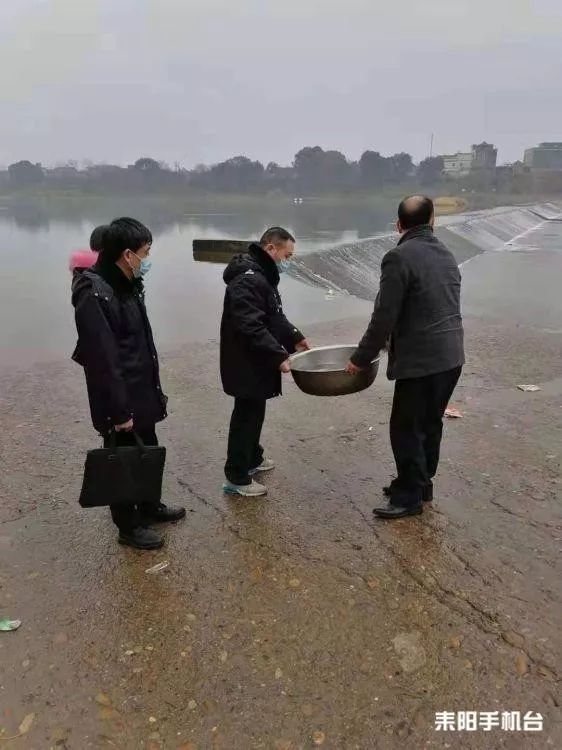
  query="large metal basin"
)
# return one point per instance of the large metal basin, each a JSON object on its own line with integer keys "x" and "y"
{"x": 321, "y": 371}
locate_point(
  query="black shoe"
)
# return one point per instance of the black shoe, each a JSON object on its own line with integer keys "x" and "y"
{"x": 398, "y": 511}
{"x": 427, "y": 496}
{"x": 141, "y": 538}
{"x": 162, "y": 514}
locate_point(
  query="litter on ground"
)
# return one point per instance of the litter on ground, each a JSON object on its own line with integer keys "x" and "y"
{"x": 156, "y": 568}
{"x": 452, "y": 412}
{"x": 7, "y": 625}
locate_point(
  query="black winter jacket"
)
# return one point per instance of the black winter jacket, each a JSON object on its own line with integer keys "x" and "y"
{"x": 256, "y": 337}
{"x": 116, "y": 349}
{"x": 418, "y": 306}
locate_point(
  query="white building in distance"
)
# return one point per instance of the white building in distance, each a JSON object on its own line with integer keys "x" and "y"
{"x": 457, "y": 165}
{"x": 482, "y": 157}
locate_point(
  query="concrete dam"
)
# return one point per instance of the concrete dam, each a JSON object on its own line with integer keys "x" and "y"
{"x": 354, "y": 268}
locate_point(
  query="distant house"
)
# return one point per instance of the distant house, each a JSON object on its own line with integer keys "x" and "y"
{"x": 483, "y": 156}
{"x": 457, "y": 165}
{"x": 547, "y": 155}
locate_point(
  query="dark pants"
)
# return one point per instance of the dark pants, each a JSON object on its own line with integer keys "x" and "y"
{"x": 128, "y": 517}
{"x": 244, "y": 449}
{"x": 416, "y": 428}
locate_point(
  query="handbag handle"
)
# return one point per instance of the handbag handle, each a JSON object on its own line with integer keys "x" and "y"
{"x": 138, "y": 440}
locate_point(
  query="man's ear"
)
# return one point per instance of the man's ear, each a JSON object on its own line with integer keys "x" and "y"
{"x": 399, "y": 227}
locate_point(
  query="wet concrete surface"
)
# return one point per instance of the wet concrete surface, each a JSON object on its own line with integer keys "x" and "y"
{"x": 298, "y": 620}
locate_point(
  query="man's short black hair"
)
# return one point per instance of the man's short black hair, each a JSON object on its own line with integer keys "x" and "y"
{"x": 96, "y": 238}
{"x": 275, "y": 235}
{"x": 415, "y": 211}
{"x": 123, "y": 234}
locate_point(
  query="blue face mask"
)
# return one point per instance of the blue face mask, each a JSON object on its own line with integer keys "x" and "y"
{"x": 143, "y": 269}
{"x": 283, "y": 265}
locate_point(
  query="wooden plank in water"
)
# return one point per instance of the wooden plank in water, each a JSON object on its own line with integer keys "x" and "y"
{"x": 218, "y": 251}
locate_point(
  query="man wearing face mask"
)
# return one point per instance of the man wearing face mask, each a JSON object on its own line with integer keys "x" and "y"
{"x": 256, "y": 341}
{"x": 116, "y": 349}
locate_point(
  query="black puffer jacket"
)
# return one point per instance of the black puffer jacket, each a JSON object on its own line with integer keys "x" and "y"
{"x": 256, "y": 337}
{"x": 116, "y": 349}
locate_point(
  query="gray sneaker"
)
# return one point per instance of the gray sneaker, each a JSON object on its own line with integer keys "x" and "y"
{"x": 266, "y": 465}
{"x": 254, "y": 489}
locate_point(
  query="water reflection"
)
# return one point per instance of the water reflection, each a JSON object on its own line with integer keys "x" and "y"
{"x": 184, "y": 297}
{"x": 319, "y": 220}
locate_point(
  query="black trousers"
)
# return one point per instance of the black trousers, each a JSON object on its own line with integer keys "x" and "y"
{"x": 244, "y": 449}
{"x": 128, "y": 517}
{"x": 416, "y": 429}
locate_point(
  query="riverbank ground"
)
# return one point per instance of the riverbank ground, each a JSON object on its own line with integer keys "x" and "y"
{"x": 299, "y": 620}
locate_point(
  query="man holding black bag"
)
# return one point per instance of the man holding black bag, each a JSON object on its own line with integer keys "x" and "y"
{"x": 116, "y": 349}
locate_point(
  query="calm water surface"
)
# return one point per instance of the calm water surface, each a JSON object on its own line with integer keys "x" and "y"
{"x": 184, "y": 297}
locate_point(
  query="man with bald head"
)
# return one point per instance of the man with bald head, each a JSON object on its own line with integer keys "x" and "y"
{"x": 417, "y": 311}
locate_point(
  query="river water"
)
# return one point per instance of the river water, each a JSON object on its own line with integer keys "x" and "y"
{"x": 184, "y": 297}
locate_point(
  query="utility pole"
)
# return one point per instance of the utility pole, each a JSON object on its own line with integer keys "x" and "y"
{"x": 431, "y": 146}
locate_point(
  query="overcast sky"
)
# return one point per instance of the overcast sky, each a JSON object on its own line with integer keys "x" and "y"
{"x": 202, "y": 80}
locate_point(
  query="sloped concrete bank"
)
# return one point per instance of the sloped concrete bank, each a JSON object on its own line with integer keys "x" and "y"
{"x": 354, "y": 267}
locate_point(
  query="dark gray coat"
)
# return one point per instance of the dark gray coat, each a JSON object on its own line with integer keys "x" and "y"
{"x": 418, "y": 308}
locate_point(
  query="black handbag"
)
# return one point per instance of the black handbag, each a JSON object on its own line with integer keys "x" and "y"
{"x": 123, "y": 475}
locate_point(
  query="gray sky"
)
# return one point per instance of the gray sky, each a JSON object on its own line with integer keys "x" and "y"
{"x": 201, "y": 80}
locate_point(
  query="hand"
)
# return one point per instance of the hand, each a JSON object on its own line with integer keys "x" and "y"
{"x": 303, "y": 346}
{"x": 125, "y": 427}
{"x": 352, "y": 369}
{"x": 285, "y": 366}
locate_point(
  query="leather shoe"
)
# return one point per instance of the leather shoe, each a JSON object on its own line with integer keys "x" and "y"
{"x": 141, "y": 538}
{"x": 427, "y": 496}
{"x": 398, "y": 511}
{"x": 162, "y": 514}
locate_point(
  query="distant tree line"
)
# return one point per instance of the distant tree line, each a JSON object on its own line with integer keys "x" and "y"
{"x": 314, "y": 171}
